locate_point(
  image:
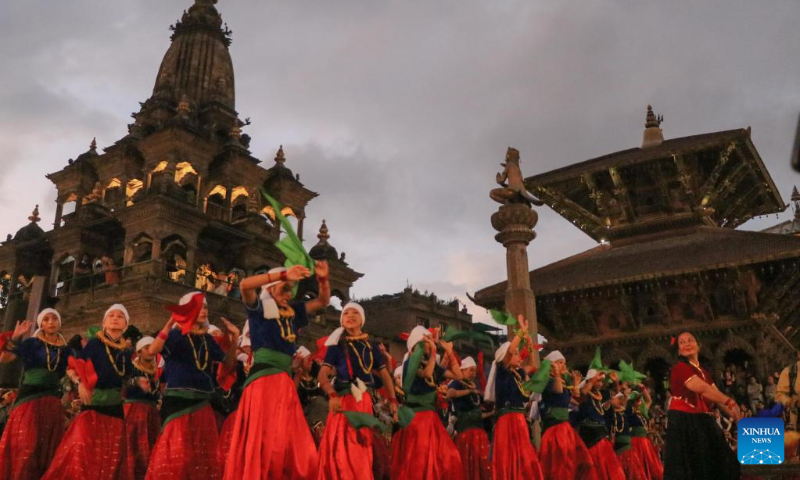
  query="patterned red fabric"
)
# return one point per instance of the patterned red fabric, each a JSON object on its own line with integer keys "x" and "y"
{"x": 653, "y": 468}
{"x": 225, "y": 377}
{"x": 474, "y": 449}
{"x": 142, "y": 424}
{"x": 186, "y": 315}
{"x": 224, "y": 443}
{"x": 381, "y": 458}
{"x": 32, "y": 434}
{"x": 632, "y": 465}
{"x": 564, "y": 455}
{"x": 186, "y": 448}
{"x": 514, "y": 456}
{"x": 346, "y": 453}
{"x": 93, "y": 447}
{"x": 271, "y": 438}
{"x": 85, "y": 371}
{"x": 424, "y": 451}
{"x": 606, "y": 463}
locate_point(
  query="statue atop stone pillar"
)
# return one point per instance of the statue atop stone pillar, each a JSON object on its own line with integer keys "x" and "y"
{"x": 514, "y": 221}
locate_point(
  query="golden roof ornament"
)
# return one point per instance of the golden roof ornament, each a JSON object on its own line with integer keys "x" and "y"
{"x": 280, "y": 157}
{"x": 323, "y": 233}
{"x": 34, "y": 218}
{"x": 653, "y": 135}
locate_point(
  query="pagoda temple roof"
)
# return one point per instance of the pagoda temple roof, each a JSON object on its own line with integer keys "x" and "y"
{"x": 693, "y": 250}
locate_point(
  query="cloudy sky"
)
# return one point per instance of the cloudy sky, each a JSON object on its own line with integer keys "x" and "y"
{"x": 399, "y": 112}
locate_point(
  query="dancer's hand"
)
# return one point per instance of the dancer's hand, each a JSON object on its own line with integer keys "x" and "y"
{"x": 321, "y": 268}
{"x": 86, "y": 395}
{"x": 23, "y": 327}
{"x": 297, "y": 273}
{"x": 232, "y": 329}
{"x": 335, "y": 405}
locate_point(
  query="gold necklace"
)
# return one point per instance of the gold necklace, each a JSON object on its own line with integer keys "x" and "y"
{"x": 642, "y": 419}
{"x": 518, "y": 381}
{"x": 696, "y": 366}
{"x": 60, "y": 341}
{"x": 114, "y": 362}
{"x": 201, "y": 367}
{"x": 58, "y": 358}
{"x": 115, "y": 344}
{"x": 597, "y": 402}
{"x": 148, "y": 369}
{"x": 618, "y": 426}
{"x": 364, "y": 368}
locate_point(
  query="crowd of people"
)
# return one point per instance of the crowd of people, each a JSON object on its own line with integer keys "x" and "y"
{"x": 198, "y": 401}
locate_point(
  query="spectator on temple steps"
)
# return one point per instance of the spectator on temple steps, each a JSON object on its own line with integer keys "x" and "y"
{"x": 755, "y": 393}
{"x": 110, "y": 269}
{"x": 769, "y": 392}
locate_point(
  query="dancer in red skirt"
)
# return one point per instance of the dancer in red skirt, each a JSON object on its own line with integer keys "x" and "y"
{"x": 271, "y": 438}
{"x": 513, "y": 456}
{"x": 595, "y": 405}
{"x": 36, "y": 424}
{"x": 472, "y": 441}
{"x": 94, "y": 444}
{"x": 423, "y": 450}
{"x": 621, "y": 429}
{"x": 346, "y": 453}
{"x": 142, "y": 421}
{"x": 637, "y": 418}
{"x": 563, "y": 453}
{"x": 186, "y": 447}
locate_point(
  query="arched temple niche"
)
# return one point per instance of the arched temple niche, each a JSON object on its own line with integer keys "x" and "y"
{"x": 655, "y": 361}
{"x": 114, "y": 196}
{"x": 214, "y": 205}
{"x": 174, "y": 250}
{"x": 188, "y": 180}
{"x": 240, "y": 199}
{"x": 736, "y": 351}
{"x": 64, "y": 271}
{"x": 615, "y": 355}
{"x": 133, "y": 191}
{"x": 139, "y": 250}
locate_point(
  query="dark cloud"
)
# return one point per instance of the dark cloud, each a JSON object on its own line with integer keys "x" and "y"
{"x": 399, "y": 112}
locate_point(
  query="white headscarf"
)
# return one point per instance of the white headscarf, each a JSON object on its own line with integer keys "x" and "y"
{"x": 41, "y": 316}
{"x": 589, "y": 375}
{"x": 499, "y": 355}
{"x": 267, "y": 302}
{"x": 121, "y": 308}
{"x": 143, "y": 342}
{"x": 302, "y": 352}
{"x": 398, "y": 373}
{"x": 336, "y": 335}
{"x": 416, "y": 336}
{"x": 554, "y": 356}
{"x": 244, "y": 339}
{"x": 468, "y": 362}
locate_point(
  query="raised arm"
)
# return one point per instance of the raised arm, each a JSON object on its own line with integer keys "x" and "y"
{"x": 523, "y": 327}
{"x": 233, "y": 336}
{"x": 21, "y": 330}
{"x": 249, "y": 285}
{"x": 324, "y": 297}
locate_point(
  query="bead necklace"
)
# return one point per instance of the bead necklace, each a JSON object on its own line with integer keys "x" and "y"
{"x": 148, "y": 369}
{"x": 518, "y": 381}
{"x": 643, "y": 420}
{"x": 361, "y": 360}
{"x": 47, "y": 343}
{"x": 115, "y": 344}
{"x": 619, "y": 426}
{"x": 200, "y": 366}
{"x": 285, "y": 316}
{"x": 597, "y": 402}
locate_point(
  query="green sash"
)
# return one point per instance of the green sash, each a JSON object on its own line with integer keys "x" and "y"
{"x": 268, "y": 362}
{"x": 421, "y": 403}
{"x": 104, "y": 397}
{"x": 469, "y": 419}
{"x": 40, "y": 377}
{"x": 622, "y": 443}
{"x": 639, "y": 432}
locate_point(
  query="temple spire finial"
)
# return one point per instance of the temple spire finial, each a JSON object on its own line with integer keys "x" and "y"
{"x": 652, "y": 129}
{"x": 93, "y": 145}
{"x": 34, "y": 218}
{"x": 323, "y": 233}
{"x": 280, "y": 157}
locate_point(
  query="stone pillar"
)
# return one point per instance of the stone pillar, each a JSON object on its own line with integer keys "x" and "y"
{"x": 515, "y": 222}
{"x": 228, "y": 204}
{"x": 155, "y": 258}
{"x": 59, "y": 214}
{"x": 191, "y": 268}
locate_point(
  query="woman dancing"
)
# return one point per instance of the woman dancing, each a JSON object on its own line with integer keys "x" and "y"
{"x": 594, "y": 408}
{"x": 270, "y": 437}
{"x": 563, "y": 453}
{"x": 513, "y": 456}
{"x": 186, "y": 447}
{"x": 472, "y": 441}
{"x": 142, "y": 422}
{"x": 346, "y": 453}
{"x": 423, "y": 450}
{"x": 36, "y": 424}
{"x": 636, "y": 414}
{"x": 98, "y": 432}
{"x": 695, "y": 447}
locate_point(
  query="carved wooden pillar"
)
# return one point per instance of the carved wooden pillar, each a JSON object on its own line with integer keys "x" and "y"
{"x": 59, "y": 214}
{"x": 155, "y": 258}
{"x": 228, "y": 203}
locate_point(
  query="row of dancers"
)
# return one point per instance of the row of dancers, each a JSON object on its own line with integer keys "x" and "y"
{"x": 122, "y": 433}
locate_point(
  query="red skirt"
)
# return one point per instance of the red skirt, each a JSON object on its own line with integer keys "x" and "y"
{"x": 93, "y": 447}
{"x": 224, "y": 443}
{"x": 606, "y": 463}
{"x": 142, "y": 424}
{"x": 381, "y": 458}
{"x": 186, "y": 448}
{"x": 346, "y": 453}
{"x": 564, "y": 455}
{"x": 632, "y": 465}
{"x": 271, "y": 438}
{"x": 32, "y": 434}
{"x": 473, "y": 446}
{"x": 514, "y": 456}
{"x": 424, "y": 451}
{"x": 653, "y": 468}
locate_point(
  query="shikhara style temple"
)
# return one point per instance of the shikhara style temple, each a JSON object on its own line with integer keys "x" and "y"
{"x": 178, "y": 196}
{"x": 669, "y": 256}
